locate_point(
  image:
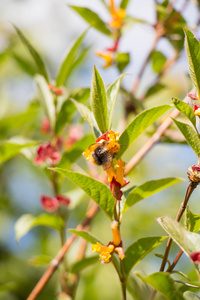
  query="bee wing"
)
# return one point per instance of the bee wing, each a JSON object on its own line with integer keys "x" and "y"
{"x": 107, "y": 165}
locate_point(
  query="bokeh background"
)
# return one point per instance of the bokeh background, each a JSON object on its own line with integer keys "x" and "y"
{"x": 52, "y": 27}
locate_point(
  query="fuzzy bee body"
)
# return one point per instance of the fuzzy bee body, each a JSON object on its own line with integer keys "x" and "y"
{"x": 103, "y": 153}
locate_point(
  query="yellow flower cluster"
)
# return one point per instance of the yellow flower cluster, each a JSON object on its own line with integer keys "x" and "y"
{"x": 115, "y": 246}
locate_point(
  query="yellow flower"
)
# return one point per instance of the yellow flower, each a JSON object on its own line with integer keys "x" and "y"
{"x": 116, "y": 233}
{"x": 107, "y": 56}
{"x": 105, "y": 251}
{"x": 117, "y": 15}
{"x": 120, "y": 252}
{"x": 113, "y": 136}
{"x": 87, "y": 154}
{"x": 110, "y": 172}
{"x": 120, "y": 171}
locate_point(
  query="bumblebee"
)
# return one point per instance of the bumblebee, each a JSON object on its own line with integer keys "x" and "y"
{"x": 103, "y": 153}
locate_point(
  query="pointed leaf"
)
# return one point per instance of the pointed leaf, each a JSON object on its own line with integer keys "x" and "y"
{"x": 34, "y": 54}
{"x": 68, "y": 109}
{"x": 84, "y": 263}
{"x": 139, "y": 124}
{"x": 194, "y": 222}
{"x": 75, "y": 151}
{"x": 85, "y": 235}
{"x": 188, "y": 241}
{"x": 12, "y": 147}
{"x": 25, "y": 65}
{"x": 185, "y": 109}
{"x": 92, "y": 18}
{"x": 99, "y": 101}
{"x": 124, "y": 4}
{"x": 46, "y": 98}
{"x": 98, "y": 191}
{"x": 192, "y": 48}
{"x": 139, "y": 249}
{"x": 190, "y": 135}
{"x": 165, "y": 284}
{"x": 112, "y": 93}
{"x": 87, "y": 116}
{"x": 27, "y": 222}
{"x": 147, "y": 189}
{"x": 67, "y": 64}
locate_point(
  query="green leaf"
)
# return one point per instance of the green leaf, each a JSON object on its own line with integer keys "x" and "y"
{"x": 27, "y": 222}
{"x": 84, "y": 263}
{"x": 79, "y": 59}
{"x": 154, "y": 89}
{"x": 112, "y": 93}
{"x": 147, "y": 189}
{"x": 185, "y": 109}
{"x": 40, "y": 260}
{"x": 12, "y": 147}
{"x": 138, "y": 288}
{"x": 68, "y": 109}
{"x": 165, "y": 284}
{"x": 20, "y": 120}
{"x": 192, "y": 48}
{"x": 98, "y": 191}
{"x": 190, "y": 135}
{"x": 68, "y": 63}
{"x": 87, "y": 116}
{"x": 75, "y": 151}
{"x": 25, "y": 65}
{"x": 194, "y": 221}
{"x": 99, "y": 101}
{"x": 47, "y": 100}
{"x": 85, "y": 235}
{"x": 92, "y": 18}
{"x": 124, "y": 4}
{"x": 139, "y": 124}
{"x": 34, "y": 54}
{"x": 139, "y": 249}
{"x": 188, "y": 241}
{"x": 158, "y": 61}
{"x": 190, "y": 296}
{"x": 122, "y": 60}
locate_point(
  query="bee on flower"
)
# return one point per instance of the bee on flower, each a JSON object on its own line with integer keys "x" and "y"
{"x": 104, "y": 150}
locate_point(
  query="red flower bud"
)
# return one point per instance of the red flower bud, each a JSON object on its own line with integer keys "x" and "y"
{"x": 50, "y": 204}
{"x": 63, "y": 200}
{"x": 115, "y": 188}
{"x": 195, "y": 256}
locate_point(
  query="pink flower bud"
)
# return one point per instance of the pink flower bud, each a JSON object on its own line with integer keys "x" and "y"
{"x": 63, "y": 200}
{"x": 50, "y": 204}
{"x": 195, "y": 256}
{"x": 192, "y": 96}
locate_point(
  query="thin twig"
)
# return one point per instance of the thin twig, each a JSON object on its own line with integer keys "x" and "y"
{"x": 59, "y": 257}
{"x": 192, "y": 185}
{"x": 154, "y": 139}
